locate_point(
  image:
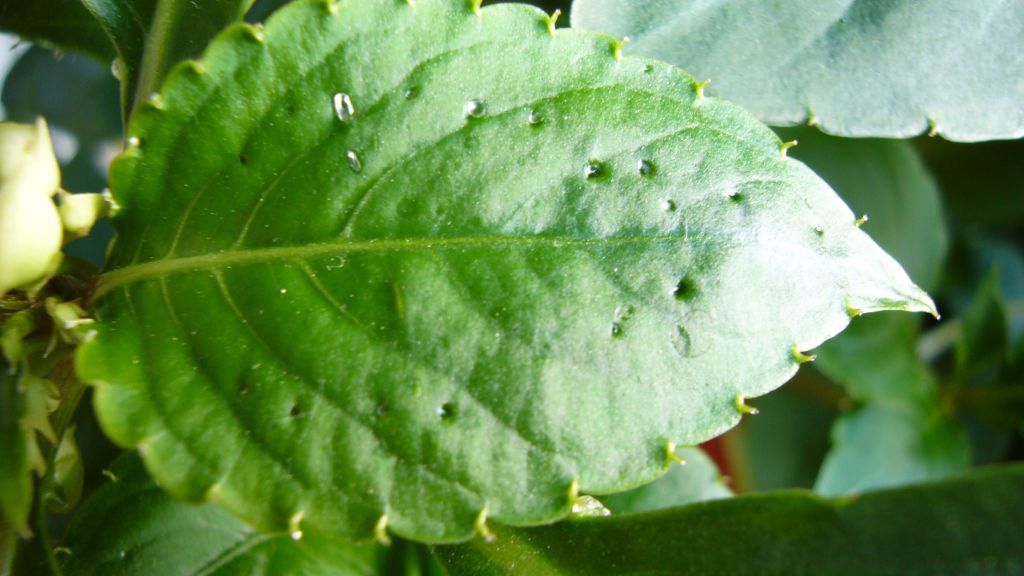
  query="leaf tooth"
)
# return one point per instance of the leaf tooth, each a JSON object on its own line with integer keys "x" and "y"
{"x": 253, "y": 32}
{"x": 154, "y": 101}
{"x": 215, "y": 492}
{"x": 700, "y": 86}
{"x": 294, "y": 530}
{"x": 551, "y": 21}
{"x": 860, "y": 221}
{"x": 671, "y": 456}
{"x": 785, "y": 146}
{"x": 574, "y": 491}
{"x": 853, "y": 312}
{"x": 617, "y": 46}
{"x": 474, "y": 6}
{"x": 800, "y": 357}
{"x": 933, "y": 128}
{"x": 480, "y": 526}
{"x": 812, "y": 118}
{"x": 742, "y": 407}
{"x": 380, "y": 530}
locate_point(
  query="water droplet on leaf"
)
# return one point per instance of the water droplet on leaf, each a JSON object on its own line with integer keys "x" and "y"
{"x": 535, "y": 119}
{"x": 616, "y": 329}
{"x": 353, "y": 161}
{"x": 645, "y": 167}
{"x": 474, "y": 109}
{"x": 593, "y": 170}
{"x": 343, "y": 107}
{"x": 446, "y": 411}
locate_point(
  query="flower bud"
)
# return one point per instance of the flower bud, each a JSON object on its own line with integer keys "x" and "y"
{"x": 30, "y": 225}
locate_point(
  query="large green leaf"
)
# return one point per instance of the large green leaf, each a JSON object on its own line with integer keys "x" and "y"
{"x": 970, "y": 525}
{"x": 857, "y": 67}
{"x": 130, "y": 526}
{"x": 60, "y": 24}
{"x": 416, "y": 266}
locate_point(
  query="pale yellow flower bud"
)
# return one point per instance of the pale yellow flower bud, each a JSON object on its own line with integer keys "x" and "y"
{"x": 30, "y": 225}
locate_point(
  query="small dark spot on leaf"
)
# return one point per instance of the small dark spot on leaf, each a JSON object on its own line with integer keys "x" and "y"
{"x": 295, "y": 411}
{"x": 243, "y": 387}
{"x": 383, "y": 408}
{"x": 616, "y": 329}
{"x": 243, "y": 158}
{"x": 685, "y": 289}
{"x": 447, "y": 411}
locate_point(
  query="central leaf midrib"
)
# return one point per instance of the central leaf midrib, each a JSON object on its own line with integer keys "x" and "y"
{"x": 177, "y": 265}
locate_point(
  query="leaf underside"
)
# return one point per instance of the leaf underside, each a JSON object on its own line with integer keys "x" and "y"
{"x": 129, "y": 526}
{"x": 857, "y": 67}
{"x": 515, "y": 265}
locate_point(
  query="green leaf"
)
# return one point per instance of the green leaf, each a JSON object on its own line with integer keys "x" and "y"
{"x": 696, "y": 481}
{"x": 902, "y": 433}
{"x": 60, "y": 24}
{"x": 886, "y": 181}
{"x": 507, "y": 265}
{"x": 983, "y": 340}
{"x": 962, "y": 526}
{"x": 126, "y": 23}
{"x": 881, "y": 445}
{"x": 180, "y": 29}
{"x": 857, "y": 68}
{"x": 129, "y": 526}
